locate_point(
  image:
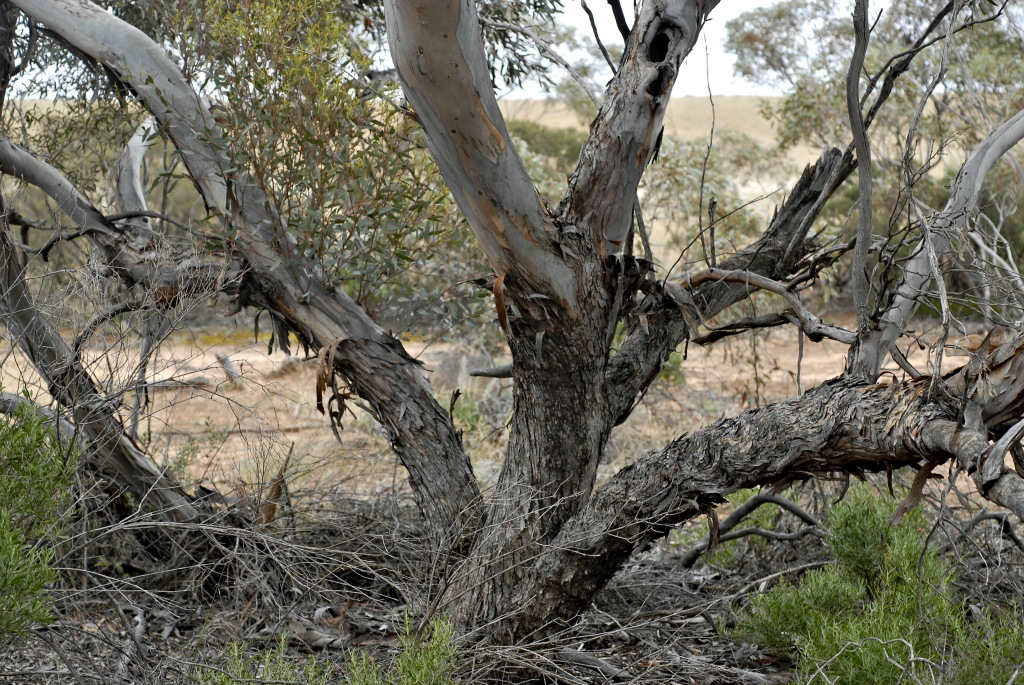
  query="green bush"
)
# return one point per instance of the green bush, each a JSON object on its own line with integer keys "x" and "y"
{"x": 269, "y": 666}
{"x": 884, "y": 613}
{"x": 426, "y": 660}
{"x": 988, "y": 649}
{"x": 33, "y": 497}
{"x": 780, "y": 619}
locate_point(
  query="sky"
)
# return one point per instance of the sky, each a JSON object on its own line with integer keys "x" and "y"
{"x": 695, "y": 72}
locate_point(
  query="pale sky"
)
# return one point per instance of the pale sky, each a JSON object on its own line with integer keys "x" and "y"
{"x": 695, "y": 74}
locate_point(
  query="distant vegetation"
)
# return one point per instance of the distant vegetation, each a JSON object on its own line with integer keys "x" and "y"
{"x": 561, "y": 146}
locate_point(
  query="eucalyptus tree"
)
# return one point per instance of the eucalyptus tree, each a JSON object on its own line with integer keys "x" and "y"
{"x": 529, "y": 555}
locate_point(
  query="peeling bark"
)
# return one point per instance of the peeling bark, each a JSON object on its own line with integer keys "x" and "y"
{"x": 439, "y": 55}
{"x": 843, "y": 425}
{"x": 624, "y": 137}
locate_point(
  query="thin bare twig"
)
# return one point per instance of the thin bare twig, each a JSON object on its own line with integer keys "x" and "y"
{"x": 812, "y": 325}
{"x": 551, "y": 52}
{"x": 597, "y": 37}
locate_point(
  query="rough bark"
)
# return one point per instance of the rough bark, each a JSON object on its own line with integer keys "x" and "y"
{"x": 845, "y": 425}
{"x": 549, "y": 545}
{"x": 558, "y": 431}
{"x": 838, "y": 426}
{"x": 551, "y": 272}
{"x": 628, "y": 129}
{"x": 532, "y": 564}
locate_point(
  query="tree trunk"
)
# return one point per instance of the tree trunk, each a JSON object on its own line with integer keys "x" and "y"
{"x": 558, "y": 431}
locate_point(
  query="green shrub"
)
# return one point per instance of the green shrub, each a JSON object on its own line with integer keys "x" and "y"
{"x": 271, "y": 666}
{"x": 33, "y": 497}
{"x": 781, "y": 618}
{"x": 989, "y": 649}
{"x": 466, "y": 415}
{"x": 426, "y": 660}
{"x": 884, "y": 613}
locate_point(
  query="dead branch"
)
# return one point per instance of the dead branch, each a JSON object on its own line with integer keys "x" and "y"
{"x": 503, "y": 371}
{"x": 109, "y": 449}
{"x": 859, "y": 269}
{"x": 1005, "y": 527}
{"x": 810, "y": 324}
{"x": 741, "y": 512}
{"x": 944, "y": 227}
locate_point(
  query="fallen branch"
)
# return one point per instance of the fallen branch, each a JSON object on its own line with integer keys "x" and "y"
{"x": 503, "y": 371}
{"x": 1005, "y": 528}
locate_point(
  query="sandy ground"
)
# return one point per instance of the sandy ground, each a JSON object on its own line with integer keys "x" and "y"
{"x": 235, "y": 435}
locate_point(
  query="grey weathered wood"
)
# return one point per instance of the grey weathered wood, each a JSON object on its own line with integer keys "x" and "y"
{"x": 944, "y": 226}
{"x": 234, "y": 377}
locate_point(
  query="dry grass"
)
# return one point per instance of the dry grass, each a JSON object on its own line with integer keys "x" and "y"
{"x": 687, "y": 118}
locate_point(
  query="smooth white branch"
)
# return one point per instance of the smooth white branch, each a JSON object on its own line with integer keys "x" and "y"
{"x": 439, "y": 55}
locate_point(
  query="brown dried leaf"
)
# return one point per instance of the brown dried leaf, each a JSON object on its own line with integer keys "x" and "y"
{"x": 499, "y": 303}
